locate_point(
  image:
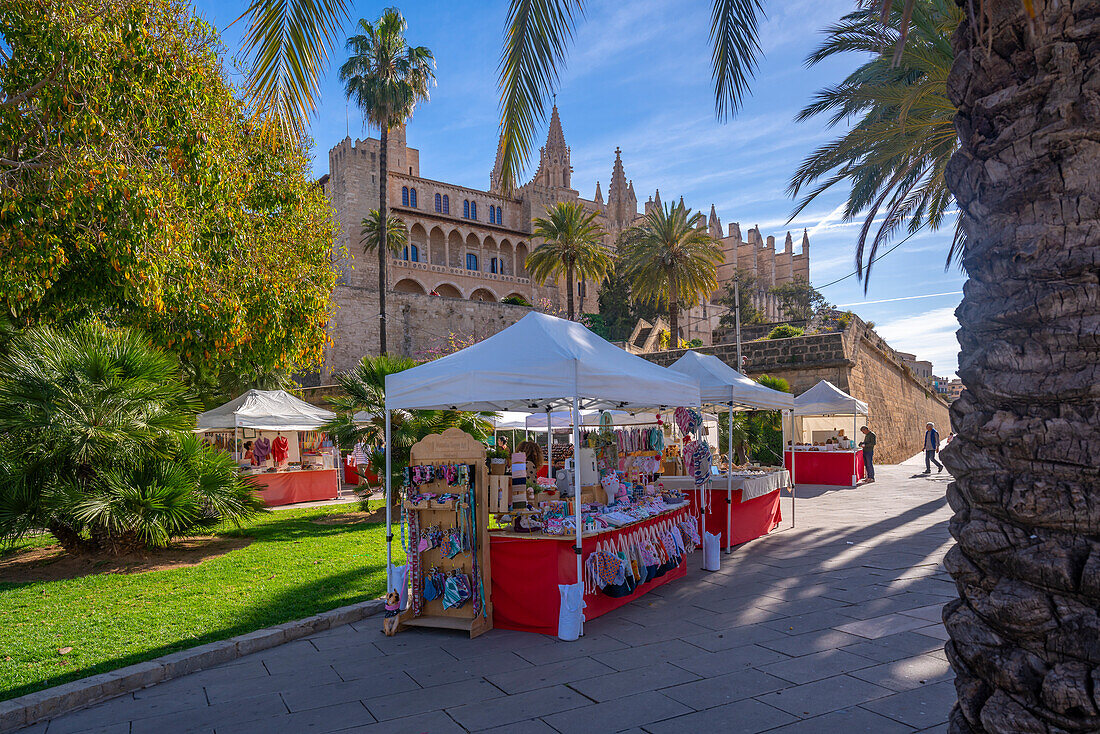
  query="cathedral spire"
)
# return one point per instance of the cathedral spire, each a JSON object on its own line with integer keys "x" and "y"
{"x": 498, "y": 165}
{"x": 598, "y": 198}
{"x": 555, "y": 138}
{"x": 657, "y": 199}
{"x": 714, "y": 224}
{"x": 805, "y": 241}
{"x": 788, "y": 244}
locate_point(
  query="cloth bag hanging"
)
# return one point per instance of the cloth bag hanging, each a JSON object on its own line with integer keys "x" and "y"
{"x": 397, "y": 577}
{"x": 571, "y": 612}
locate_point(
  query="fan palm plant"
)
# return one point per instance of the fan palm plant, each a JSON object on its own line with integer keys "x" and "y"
{"x": 361, "y": 416}
{"x": 386, "y": 78}
{"x": 670, "y": 259}
{"x": 98, "y": 445}
{"x": 396, "y": 236}
{"x": 893, "y": 158}
{"x": 572, "y": 244}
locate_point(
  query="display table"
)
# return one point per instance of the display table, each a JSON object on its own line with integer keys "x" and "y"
{"x": 288, "y": 487}
{"x": 825, "y": 467}
{"x": 528, "y": 569}
{"x": 753, "y": 505}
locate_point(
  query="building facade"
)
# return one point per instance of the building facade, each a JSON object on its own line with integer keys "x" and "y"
{"x": 470, "y": 245}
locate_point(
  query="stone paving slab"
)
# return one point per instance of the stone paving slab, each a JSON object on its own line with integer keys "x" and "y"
{"x": 833, "y": 626}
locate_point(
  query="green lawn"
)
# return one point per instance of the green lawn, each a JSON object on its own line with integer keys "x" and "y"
{"x": 293, "y": 568}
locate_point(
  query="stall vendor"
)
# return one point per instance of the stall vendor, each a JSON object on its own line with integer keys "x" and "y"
{"x": 533, "y": 451}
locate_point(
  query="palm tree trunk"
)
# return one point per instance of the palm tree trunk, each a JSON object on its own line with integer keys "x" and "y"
{"x": 569, "y": 295}
{"x": 1025, "y": 632}
{"x": 383, "y": 249}
{"x": 673, "y": 315}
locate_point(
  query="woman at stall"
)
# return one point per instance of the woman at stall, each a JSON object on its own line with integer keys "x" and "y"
{"x": 533, "y": 452}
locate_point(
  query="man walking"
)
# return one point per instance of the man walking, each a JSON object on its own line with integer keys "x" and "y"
{"x": 868, "y": 444}
{"x": 931, "y": 446}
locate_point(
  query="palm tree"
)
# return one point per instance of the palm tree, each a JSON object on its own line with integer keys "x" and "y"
{"x": 99, "y": 446}
{"x": 670, "y": 259}
{"x": 386, "y": 78}
{"x": 1024, "y": 631}
{"x": 892, "y": 159}
{"x": 572, "y": 245}
{"x": 361, "y": 416}
{"x": 396, "y": 236}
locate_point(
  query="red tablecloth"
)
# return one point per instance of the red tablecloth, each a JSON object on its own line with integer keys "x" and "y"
{"x": 748, "y": 520}
{"x": 825, "y": 467}
{"x": 527, "y": 571}
{"x": 285, "y": 488}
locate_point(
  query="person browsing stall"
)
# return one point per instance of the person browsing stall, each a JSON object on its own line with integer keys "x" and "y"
{"x": 534, "y": 457}
{"x": 868, "y": 444}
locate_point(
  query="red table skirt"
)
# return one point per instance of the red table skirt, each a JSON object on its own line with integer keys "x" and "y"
{"x": 527, "y": 571}
{"x": 748, "y": 520}
{"x": 286, "y": 488}
{"x": 825, "y": 467}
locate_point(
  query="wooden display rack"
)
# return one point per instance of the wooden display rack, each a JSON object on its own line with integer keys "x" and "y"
{"x": 453, "y": 446}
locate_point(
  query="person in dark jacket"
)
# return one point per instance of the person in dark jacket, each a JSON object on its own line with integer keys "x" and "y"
{"x": 931, "y": 446}
{"x": 868, "y": 444}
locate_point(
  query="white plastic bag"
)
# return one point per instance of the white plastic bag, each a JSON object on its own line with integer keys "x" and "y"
{"x": 398, "y": 578}
{"x": 712, "y": 555}
{"x": 571, "y": 612}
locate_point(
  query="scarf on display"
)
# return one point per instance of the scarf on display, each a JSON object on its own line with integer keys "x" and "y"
{"x": 261, "y": 447}
{"x": 279, "y": 449}
{"x": 619, "y": 565}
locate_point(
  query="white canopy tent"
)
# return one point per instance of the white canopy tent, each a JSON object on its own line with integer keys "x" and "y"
{"x": 720, "y": 384}
{"x": 268, "y": 410}
{"x": 540, "y": 363}
{"x": 826, "y": 399}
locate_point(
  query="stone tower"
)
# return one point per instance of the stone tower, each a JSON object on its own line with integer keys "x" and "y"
{"x": 554, "y": 171}
{"x": 622, "y": 204}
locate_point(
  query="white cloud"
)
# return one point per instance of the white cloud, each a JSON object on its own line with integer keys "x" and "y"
{"x": 930, "y": 335}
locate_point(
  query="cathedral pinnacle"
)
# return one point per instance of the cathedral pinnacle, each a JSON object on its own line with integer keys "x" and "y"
{"x": 598, "y": 198}
{"x": 555, "y": 138}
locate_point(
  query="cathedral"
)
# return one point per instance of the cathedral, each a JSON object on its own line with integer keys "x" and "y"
{"x": 463, "y": 274}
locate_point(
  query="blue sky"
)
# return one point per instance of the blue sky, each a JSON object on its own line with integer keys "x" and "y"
{"x": 638, "y": 78}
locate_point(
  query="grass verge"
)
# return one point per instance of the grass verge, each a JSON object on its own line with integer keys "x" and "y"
{"x": 293, "y": 568}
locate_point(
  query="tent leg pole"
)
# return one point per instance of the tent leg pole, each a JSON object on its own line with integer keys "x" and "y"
{"x": 389, "y": 506}
{"x": 794, "y": 483}
{"x": 577, "y": 490}
{"x": 729, "y": 484}
{"x": 855, "y": 470}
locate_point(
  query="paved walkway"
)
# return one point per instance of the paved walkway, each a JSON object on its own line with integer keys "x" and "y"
{"x": 829, "y": 627}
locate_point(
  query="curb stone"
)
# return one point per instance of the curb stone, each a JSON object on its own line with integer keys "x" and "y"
{"x": 34, "y": 707}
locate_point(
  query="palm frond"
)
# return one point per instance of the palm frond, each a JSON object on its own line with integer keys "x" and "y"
{"x": 397, "y": 236}
{"x": 288, "y": 43}
{"x": 892, "y": 159}
{"x": 733, "y": 33}
{"x": 537, "y": 35}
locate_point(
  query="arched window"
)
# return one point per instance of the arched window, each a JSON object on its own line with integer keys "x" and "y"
{"x": 404, "y": 196}
{"x": 446, "y": 204}
{"x": 471, "y": 261}
{"x": 494, "y": 214}
{"x": 438, "y": 203}
{"x": 412, "y": 198}
{"x": 473, "y": 210}
{"x": 466, "y": 208}
{"x": 415, "y": 253}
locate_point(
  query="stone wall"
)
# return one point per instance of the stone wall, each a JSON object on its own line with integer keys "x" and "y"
{"x": 857, "y": 361}
{"x": 417, "y": 324}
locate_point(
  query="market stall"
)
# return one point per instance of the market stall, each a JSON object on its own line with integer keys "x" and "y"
{"x": 292, "y": 460}
{"x": 819, "y": 452}
{"x": 751, "y": 506}
{"x": 540, "y": 364}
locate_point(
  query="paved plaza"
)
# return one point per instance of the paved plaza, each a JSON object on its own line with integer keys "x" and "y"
{"x": 833, "y": 626}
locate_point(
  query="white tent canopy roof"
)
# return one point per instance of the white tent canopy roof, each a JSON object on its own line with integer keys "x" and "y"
{"x": 825, "y": 398}
{"x": 509, "y": 420}
{"x": 621, "y": 418}
{"x": 268, "y": 410}
{"x": 540, "y": 362}
{"x": 720, "y": 384}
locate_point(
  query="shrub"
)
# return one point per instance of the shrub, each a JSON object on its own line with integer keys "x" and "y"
{"x": 784, "y": 331}
{"x": 515, "y": 301}
{"x": 98, "y": 446}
